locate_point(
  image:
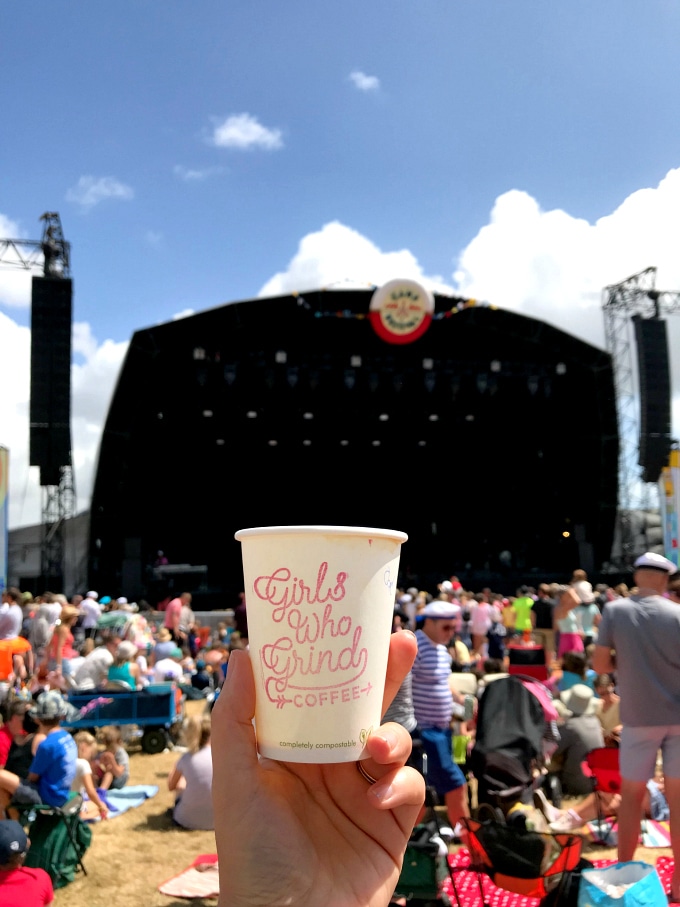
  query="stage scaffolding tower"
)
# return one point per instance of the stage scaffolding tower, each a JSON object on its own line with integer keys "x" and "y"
{"x": 635, "y": 296}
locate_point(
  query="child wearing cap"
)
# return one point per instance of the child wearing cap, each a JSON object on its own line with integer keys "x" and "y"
{"x": 20, "y": 886}
{"x": 54, "y": 764}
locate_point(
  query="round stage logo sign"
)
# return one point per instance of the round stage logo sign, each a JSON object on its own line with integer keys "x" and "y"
{"x": 401, "y": 311}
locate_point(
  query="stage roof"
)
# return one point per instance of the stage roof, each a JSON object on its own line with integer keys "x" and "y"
{"x": 486, "y": 440}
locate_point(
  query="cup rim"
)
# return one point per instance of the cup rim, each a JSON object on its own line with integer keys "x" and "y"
{"x": 361, "y": 531}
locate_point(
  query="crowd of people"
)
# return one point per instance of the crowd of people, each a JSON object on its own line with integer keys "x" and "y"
{"x": 610, "y": 666}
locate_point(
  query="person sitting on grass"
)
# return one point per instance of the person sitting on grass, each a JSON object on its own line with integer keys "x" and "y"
{"x": 125, "y": 668}
{"x": 93, "y": 807}
{"x": 54, "y": 765}
{"x": 20, "y": 886}
{"x": 191, "y": 778}
{"x": 111, "y": 768}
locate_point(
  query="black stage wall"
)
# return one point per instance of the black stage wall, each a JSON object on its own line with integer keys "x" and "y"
{"x": 485, "y": 440}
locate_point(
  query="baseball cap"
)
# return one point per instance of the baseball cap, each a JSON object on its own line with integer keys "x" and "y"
{"x": 440, "y": 611}
{"x": 51, "y": 705}
{"x": 652, "y": 561}
{"x": 13, "y": 840}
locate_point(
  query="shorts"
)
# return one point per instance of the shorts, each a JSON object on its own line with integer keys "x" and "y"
{"x": 546, "y": 638}
{"x": 26, "y": 794}
{"x": 639, "y": 749}
{"x": 442, "y": 773}
{"x": 570, "y": 642}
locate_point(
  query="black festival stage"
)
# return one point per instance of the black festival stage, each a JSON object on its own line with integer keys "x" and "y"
{"x": 491, "y": 439}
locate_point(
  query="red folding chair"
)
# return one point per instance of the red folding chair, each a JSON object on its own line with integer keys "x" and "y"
{"x": 529, "y": 863}
{"x": 602, "y": 765}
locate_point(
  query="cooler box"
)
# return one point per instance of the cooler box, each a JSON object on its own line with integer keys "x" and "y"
{"x": 528, "y": 660}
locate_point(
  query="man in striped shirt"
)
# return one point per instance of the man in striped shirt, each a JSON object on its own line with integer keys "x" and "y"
{"x": 433, "y": 706}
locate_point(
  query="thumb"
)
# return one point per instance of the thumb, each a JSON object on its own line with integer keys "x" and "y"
{"x": 233, "y": 735}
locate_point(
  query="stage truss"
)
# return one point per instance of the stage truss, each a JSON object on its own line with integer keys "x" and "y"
{"x": 637, "y": 295}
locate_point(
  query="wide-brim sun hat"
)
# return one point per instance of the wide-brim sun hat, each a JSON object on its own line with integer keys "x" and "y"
{"x": 580, "y": 700}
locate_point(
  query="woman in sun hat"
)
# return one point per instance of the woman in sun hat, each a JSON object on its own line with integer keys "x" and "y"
{"x": 580, "y": 733}
{"x": 164, "y": 645}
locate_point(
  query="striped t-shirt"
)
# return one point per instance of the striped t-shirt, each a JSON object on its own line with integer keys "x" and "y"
{"x": 432, "y": 697}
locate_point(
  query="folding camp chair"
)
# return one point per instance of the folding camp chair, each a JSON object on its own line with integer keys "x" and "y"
{"x": 602, "y": 765}
{"x": 59, "y": 838}
{"x": 528, "y": 863}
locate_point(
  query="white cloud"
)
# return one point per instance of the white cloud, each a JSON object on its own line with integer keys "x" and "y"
{"x": 243, "y": 131}
{"x": 552, "y": 266}
{"x": 185, "y": 313}
{"x": 90, "y": 191}
{"x": 336, "y": 254}
{"x": 363, "y": 82}
{"x": 193, "y": 175}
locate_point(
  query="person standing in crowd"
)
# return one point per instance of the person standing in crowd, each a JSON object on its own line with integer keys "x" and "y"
{"x": 523, "y": 608}
{"x": 11, "y": 613}
{"x": 60, "y": 649}
{"x": 566, "y": 615}
{"x": 90, "y": 612}
{"x": 638, "y": 639}
{"x": 433, "y": 706}
{"x": 173, "y": 617}
{"x": 241, "y": 617}
{"x": 544, "y": 611}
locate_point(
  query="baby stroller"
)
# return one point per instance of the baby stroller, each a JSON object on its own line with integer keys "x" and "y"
{"x": 426, "y": 863}
{"x": 508, "y": 754}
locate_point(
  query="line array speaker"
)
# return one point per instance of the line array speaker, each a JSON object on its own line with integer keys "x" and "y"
{"x": 50, "y": 406}
{"x": 655, "y": 396}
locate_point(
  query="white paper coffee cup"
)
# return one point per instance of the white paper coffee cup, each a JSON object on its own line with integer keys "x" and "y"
{"x": 319, "y": 601}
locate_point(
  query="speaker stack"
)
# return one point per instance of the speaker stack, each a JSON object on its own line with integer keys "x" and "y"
{"x": 655, "y": 396}
{"x": 50, "y": 406}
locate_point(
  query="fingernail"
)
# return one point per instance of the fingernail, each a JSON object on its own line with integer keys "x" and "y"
{"x": 409, "y": 633}
{"x": 389, "y": 738}
{"x": 382, "y": 790}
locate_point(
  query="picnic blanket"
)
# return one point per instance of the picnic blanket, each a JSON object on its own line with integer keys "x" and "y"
{"x": 652, "y": 833}
{"x": 119, "y": 801}
{"x": 199, "y": 880}
{"x": 468, "y": 886}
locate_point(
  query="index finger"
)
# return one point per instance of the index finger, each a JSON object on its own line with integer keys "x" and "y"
{"x": 403, "y": 650}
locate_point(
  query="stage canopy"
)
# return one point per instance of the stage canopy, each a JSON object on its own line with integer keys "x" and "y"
{"x": 491, "y": 439}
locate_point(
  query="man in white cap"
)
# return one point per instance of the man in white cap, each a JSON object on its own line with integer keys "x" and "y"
{"x": 638, "y": 640}
{"x": 91, "y": 611}
{"x": 433, "y": 705}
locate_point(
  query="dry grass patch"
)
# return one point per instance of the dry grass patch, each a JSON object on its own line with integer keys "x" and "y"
{"x": 133, "y": 854}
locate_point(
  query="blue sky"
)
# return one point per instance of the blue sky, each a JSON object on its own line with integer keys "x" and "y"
{"x": 527, "y": 154}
